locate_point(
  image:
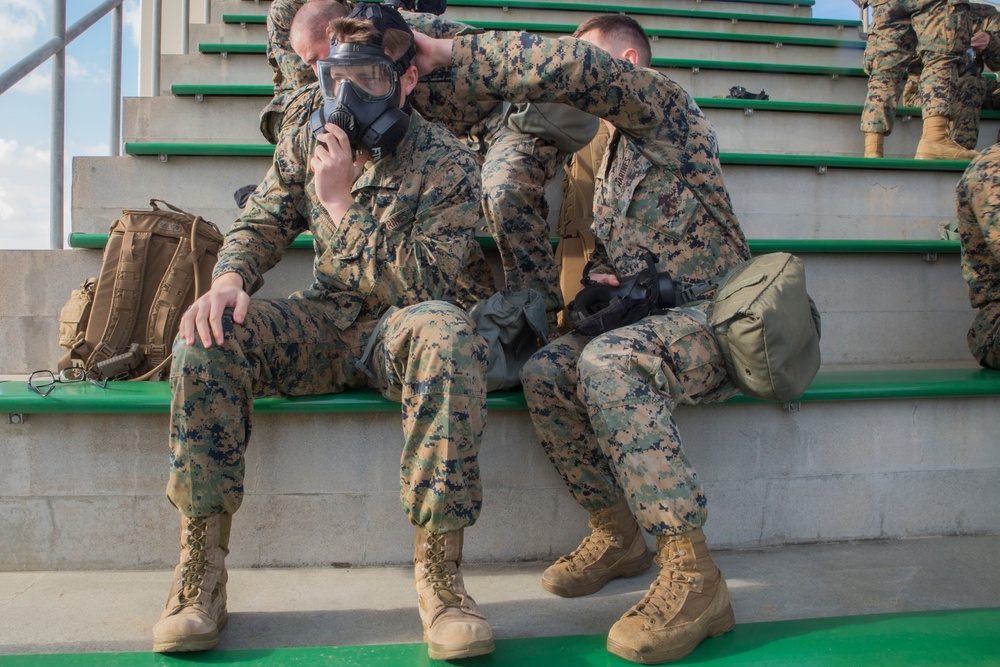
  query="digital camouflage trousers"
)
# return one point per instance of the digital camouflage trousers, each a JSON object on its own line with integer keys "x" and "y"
{"x": 603, "y": 411}
{"x": 428, "y": 357}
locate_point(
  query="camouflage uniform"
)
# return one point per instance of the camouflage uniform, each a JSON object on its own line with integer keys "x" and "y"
{"x": 937, "y": 31}
{"x": 402, "y": 244}
{"x": 515, "y": 166}
{"x": 979, "y": 229}
{"x": 290, "y": 73}
{"x": 974, "y": 92}
{"x": 603, "y": 408}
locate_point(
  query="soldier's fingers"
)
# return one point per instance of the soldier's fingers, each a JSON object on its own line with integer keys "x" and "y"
{"x": 240, "y": 309}
{"x": 215, "y": 319}
{"x": 186, "y": 328}
{"x": 202, "y": 326}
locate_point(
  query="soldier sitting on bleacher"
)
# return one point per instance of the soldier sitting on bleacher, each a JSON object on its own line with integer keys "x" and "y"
{"x": 974, "y": 91}
{"x": 979, "y": 230}
{"x": 392, "y": 208}
{"x": 936, "y": 31}
{"x": 516, "y": 164}
{"x": 603, "y": 407}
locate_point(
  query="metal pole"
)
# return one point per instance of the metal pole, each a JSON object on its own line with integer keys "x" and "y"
{"x": 208, "y": 11}
{"x": 157, "y": 15}
{"x": 185, "y": 24}
{"x": 58, "y": 134}
{"x": 115, "y": 129}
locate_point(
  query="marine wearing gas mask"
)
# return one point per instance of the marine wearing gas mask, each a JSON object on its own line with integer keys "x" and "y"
{"x": 361, "y": 89}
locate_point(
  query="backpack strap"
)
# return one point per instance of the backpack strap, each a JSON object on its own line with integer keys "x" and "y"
{"x": 171, "y": 295}
{"x": 125, "y": 308}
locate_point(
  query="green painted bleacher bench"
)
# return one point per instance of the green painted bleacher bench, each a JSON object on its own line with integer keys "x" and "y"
{"x": 821, "y": 162}
{"x": 237, "y": 90}
{"x": 757, "y": 246}
{"x": 735, "y": 17}
{"x": 829, "y": 385}
{"x": 568, "y": 28}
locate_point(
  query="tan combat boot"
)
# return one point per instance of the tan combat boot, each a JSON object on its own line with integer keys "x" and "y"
{"x": 196, "y": 608}
{"x": 453, "y": 625}
{"x": 935, "y": 144}
{"x": 874, "y": 141}
{"x": 614, "y": 548}
{"x": 687, "y": 602}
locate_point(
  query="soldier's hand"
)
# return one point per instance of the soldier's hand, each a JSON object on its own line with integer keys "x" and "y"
{"x": 604, "y": 279}
{"x": 981, "y": 40}
{"x": 336, "y": 170}
{"x": 204, "y": 318}
{"x": 432, "y": 53}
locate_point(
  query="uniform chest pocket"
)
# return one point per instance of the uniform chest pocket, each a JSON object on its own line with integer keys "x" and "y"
{"x": 615, "y": 187}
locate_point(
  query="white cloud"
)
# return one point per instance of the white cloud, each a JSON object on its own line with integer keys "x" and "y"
{"x": 132, "y": 19}
{"x": 21, "y": 23}
{"x": 24, "y": 195}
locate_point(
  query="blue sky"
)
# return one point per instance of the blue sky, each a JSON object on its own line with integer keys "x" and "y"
{"x": 25, "y": 108}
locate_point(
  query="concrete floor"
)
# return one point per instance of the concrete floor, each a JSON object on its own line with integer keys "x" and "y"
{"x": 100, "y": 611}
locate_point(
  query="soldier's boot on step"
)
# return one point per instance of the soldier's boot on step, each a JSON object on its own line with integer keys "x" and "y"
{"x": 453, "y": 625}
{"x": 196, "y": 608}
{"x": 935, "y": 144}
{"x": 686, "y": 603}
{"x": 874, "y": 142}
{"x": 614, "y": 548}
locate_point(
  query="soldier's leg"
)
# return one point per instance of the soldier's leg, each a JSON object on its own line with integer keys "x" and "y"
{"x": 285, "y": 346}
{"x": 631, "y": 380}
{"x": 430, "y": 358}
{"x": 969, "y": 97}
{"x": 888, "y": 56}
{"x": 615, "y": 546}
{"x": 984, "y": 336}
{"x": 515, "y": 170}
{"x": 942, "y": 30}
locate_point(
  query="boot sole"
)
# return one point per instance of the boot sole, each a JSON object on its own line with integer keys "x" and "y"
{"x": 716, "y": 627}
{"x": 439, "y": 652}
{"x": 203, "y": 642}
{"x": 632, "y": 569}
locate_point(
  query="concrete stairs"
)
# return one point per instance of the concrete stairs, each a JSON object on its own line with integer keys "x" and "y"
{"x": 86, "y": 491}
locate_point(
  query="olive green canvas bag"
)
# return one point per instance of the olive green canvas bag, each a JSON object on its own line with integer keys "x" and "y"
{"x": 768, "y": 327}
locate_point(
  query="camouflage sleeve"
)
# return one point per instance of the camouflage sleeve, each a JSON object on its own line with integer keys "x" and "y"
{"x": 979, "y": 226}
{"x": 435, "y": 26}
{"x": 271, "y": 219}
{"x": 426, "y": 265}
{"x": 289, "y": 70}
{"x": 523, "y": 67}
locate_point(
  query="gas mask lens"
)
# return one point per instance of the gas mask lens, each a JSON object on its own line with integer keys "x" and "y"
{"x": 371, "y": 80}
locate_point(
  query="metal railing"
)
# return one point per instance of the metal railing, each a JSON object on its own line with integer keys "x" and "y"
{"x": 55, "y": 48}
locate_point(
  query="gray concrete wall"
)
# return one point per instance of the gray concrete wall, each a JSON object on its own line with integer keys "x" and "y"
{"x": 88, "y": 491}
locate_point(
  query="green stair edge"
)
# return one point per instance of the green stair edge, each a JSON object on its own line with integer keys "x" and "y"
{"x": 957, "y": 637}
{"x": 802, "y": 246}
{"x": 855, "y": 384}
{"x": 632, "y": 10}
{"x": 567, "y": 28}
{"x": 138, "y": 148}
{"x": 261, "y": 90}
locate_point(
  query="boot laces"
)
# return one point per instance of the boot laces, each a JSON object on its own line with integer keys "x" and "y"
{"x": 593, "y": 546}
{"x": 665, "y": 596}
{"x": 193, "y": 570}
{"x": 436, "y": 570}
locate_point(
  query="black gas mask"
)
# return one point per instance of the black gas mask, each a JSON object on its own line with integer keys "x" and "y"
{"x": 361, "y": 88}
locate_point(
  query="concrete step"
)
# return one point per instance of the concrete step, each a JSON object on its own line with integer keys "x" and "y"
{"x": 876, "y": 308}
{"x": 701, "y": 78}
{"x": 353, "y": 606}
{"x": 231, "y": 119}
{"x": 771, "y": 476}
{"x": 835, "y": 203}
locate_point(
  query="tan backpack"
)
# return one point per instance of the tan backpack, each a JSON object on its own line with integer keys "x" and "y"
{"x": 576, "y": 241}
{"x": 122, "y": 325}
